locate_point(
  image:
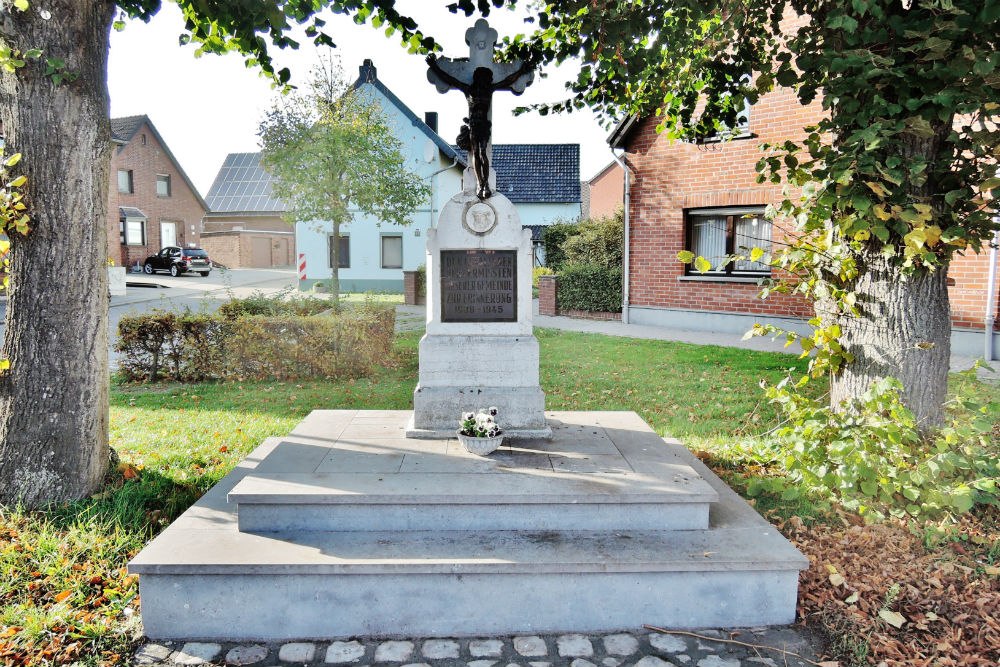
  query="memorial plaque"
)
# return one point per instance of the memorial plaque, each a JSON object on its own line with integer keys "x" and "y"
{"x": 478, "y": 285}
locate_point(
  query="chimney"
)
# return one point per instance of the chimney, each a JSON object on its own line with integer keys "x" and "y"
{"x": 431, "y": 118}
{"x": 367, "y": 71}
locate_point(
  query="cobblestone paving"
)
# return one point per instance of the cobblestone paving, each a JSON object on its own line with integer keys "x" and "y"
{"x": 619, "y": 649}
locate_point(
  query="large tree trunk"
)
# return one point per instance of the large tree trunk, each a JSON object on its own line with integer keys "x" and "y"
{"x": 904, "y": 331}
{"x": 54, "y": 398}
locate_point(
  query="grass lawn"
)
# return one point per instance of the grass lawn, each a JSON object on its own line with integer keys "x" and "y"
{"x": 64, "y": 593}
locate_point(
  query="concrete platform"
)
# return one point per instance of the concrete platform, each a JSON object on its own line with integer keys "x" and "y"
{"x": 349, "y": 529}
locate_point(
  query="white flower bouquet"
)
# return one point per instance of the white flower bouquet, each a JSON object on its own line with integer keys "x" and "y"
{"x": 481, "y": 425}
{"x": 480, "y": 433}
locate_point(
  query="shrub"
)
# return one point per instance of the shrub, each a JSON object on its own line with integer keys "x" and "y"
{"x": 191, "y": 347}
{"x": 553, "y": 238}
{"x": 589, "y": 287}
{"x": 597, "y": 241}
{"x": 870, "y": 457}
{"x": 422, "y": 280}
{"x": 348, "y": 344}
{"x": 286, "y": 302}
{"x": 540, "y": 271}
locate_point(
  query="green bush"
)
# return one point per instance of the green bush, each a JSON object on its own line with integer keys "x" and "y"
{"x": 870, "y": 457}
{"x": 191, "y": 347}
{"x": 422, "y": 280}
{"x": 539, "y": 271}
{"x": 589, "y": 287}
{"x": 348, "y": 344}
{"x": 286, "y": 302}
{"x": 553, "y": 238}
{"x": 597, "y": 241}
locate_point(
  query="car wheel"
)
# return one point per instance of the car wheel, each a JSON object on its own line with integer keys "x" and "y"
{"x": 174, "y": 271}
{"x": 204, "y": 274}
{"x": 147, "y": 268}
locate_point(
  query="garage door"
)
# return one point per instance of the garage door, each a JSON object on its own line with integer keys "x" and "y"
{"x": 260, "y": 252}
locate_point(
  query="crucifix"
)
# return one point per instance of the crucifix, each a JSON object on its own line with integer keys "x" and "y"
{"x": 478, "y": 76}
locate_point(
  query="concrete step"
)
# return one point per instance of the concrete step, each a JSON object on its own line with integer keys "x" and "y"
{"x": 378, "y": 535}
{"x": 212, "y": 583}
{"x": 675, "y": 499}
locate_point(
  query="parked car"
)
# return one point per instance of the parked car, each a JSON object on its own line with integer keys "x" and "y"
{"x": 178, "y": 260}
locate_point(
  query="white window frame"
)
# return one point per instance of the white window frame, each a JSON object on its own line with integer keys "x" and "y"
{"x": 382, "y": 239}
{"x": 128, "y": 232}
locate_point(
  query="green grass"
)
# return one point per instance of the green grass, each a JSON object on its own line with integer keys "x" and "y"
{"x": 64, "y": 594}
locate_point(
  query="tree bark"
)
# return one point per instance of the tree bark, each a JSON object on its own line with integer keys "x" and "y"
{"x": 903, "y": 331}
{"x": 54, "y": 398}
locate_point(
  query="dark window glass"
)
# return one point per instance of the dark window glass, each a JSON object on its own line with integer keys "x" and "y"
{"x": 125, "y": 181}
{"x": 344, "y": 256}
{"x": 716, "y": 234}
{"x": 197, "y": 253}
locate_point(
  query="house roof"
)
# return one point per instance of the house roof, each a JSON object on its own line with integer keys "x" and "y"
{"x": 537, "y": 173}
{"x": 130, "y": 212}
{"x": 619, "y": 136}
{"x": 368, "y": 74}
{"x": 125, "y": 128}
{"x": 243, "y": 186}
{"x": 526, "y": 173}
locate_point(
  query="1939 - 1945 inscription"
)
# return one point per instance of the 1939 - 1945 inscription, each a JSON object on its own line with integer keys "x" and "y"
{"x": 478, "y": 285}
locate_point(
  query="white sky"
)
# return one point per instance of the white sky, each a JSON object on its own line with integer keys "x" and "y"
{"x": 208, "y": 107}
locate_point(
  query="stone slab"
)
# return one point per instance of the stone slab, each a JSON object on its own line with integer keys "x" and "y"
{"x": 204, "y": 579}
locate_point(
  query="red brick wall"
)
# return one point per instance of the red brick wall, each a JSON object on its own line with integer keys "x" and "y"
{"x": 181, "y": 207}
{"x": 970, "y": 273}
{"x": 547, "y": 295}
{"x": 607, "y": 190}
{"x": 672, "y": 177}
{"x": 234, "y": 249}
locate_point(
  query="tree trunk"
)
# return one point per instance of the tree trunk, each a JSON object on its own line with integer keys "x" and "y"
{"x": 335, "y": 269}
{"x": 54, "y": 398}
{"x": 904, "y": 331}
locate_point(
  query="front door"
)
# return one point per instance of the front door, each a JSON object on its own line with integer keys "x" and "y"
{"x": 168, "y": 234}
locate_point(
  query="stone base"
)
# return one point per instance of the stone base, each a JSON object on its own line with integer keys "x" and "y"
{"x": 437, "y": 410}
{"x": 346, "y": 528}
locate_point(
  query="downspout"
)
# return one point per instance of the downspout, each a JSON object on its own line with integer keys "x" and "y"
{"x": 627, "y": 174}
{"x": 991, "y": 295}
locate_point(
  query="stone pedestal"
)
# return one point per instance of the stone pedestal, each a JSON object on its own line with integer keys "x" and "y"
{"x": 479, "y": 350}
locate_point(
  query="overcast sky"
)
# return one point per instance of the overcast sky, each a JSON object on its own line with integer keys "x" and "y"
{"x": 208, "y": 107}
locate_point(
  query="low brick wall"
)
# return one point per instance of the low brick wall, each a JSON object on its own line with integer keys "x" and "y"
{"x": 411, "y": 295}
{"x": 587, "y": 315}
{"x": 547, "y": 303}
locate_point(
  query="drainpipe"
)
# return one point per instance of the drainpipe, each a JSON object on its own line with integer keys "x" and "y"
{"x": 991, "y": 294}
{"x": 431, "y": 177}
{"x": 627, "y": 174}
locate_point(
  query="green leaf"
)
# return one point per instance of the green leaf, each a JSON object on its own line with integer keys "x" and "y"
{"x": 756, "y": 254}
{"x": 702, "y": 265}
{"x": 990, "y": 183}
{"x": 685, "y": 256}
{"x": 13, "y": 159}
{"x": 21, "y": 4}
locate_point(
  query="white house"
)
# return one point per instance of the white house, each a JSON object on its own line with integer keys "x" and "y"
{"x": 543, "y": 180}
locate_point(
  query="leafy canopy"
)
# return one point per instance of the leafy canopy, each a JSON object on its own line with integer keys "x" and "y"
{"x": 330, "y": 147}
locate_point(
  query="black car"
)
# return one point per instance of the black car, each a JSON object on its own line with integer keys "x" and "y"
{"x": 177, "y": 260}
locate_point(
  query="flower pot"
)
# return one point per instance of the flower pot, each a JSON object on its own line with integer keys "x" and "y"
{"x": 480, "y": 446}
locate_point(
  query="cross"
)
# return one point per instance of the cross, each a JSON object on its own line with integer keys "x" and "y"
{"x": 478, "y": 76}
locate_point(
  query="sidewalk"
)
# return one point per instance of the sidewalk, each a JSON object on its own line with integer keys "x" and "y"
{"x": 411, "y": 314}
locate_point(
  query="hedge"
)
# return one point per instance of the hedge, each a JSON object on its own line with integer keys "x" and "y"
{"x": 589, "y": 287}
{"x": 191, "y": 347}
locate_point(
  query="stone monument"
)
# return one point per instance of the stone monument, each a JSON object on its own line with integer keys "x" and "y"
{"x": 479, "y": 349}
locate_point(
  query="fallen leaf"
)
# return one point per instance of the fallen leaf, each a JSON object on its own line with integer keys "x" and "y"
{"x": 852, "y": 598}
{"x": 837, "y": 579}
{"x": 992, "y": 570}
{"x": 62, "y": 596}
{"x": 895, "y": 619}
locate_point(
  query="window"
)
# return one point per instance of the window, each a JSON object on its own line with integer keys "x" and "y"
{"x": 125, "y": 181}
{"x": 143, "y": 139}
{"x": 718, "y": 233}
{"x": 742, "y": 129}
{"x": 163, "y": 185}
{"x": 392, "y": 252}
{"x": 344, "y": 256}
{"x": 135, "y": 231}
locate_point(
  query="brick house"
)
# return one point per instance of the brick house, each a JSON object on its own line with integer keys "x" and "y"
{"x": 605, "y": 191}
{"x": 152, "y": 202}
{"x": 244, "y": 226}
{"x": 704, "y": 197}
